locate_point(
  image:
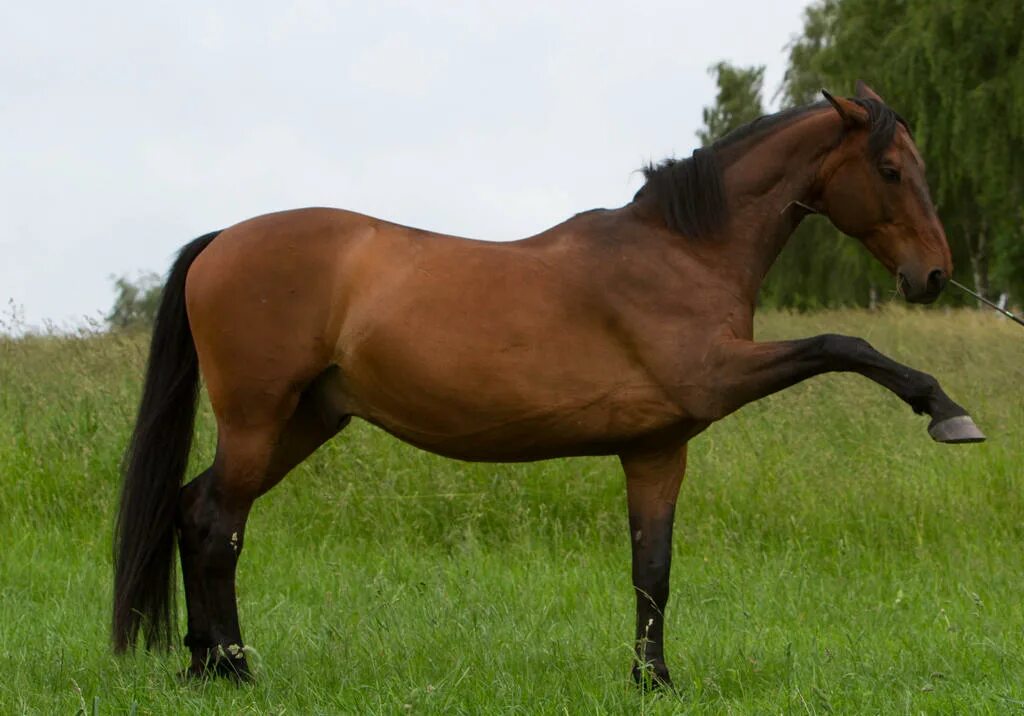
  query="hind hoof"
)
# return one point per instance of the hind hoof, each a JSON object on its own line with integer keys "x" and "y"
{"x": 653, "y": 678}
{"x": 210, "y": 664}
{"x": 959, "y": 429}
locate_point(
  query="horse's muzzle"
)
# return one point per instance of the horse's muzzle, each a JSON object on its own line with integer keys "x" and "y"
{"x": 923, "y": 291}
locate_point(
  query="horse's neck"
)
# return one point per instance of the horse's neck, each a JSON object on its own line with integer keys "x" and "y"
{"x": 766, "y": 182}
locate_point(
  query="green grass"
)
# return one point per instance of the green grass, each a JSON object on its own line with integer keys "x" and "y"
{"x": 829, "y": 558}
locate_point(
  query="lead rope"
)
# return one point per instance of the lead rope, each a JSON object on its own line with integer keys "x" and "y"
{"x": 805, "y": 207}
{"x": 988, "y": 303}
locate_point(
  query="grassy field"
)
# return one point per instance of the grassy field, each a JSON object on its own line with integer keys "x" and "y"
{"x": 828, "y": 558}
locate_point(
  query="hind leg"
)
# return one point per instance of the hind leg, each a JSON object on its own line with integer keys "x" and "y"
{"x": 212, "y": 514}
{"x": 211, "y": 528}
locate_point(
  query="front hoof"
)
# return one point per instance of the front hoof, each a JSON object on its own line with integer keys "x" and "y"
{"x": 653, "y": 676}
{"x": 955, "y": 430}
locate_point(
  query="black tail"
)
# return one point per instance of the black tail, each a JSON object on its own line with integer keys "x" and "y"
{"x": 153, "y": 466}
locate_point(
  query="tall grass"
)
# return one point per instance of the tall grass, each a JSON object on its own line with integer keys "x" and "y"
{"x": 829, "y": 558}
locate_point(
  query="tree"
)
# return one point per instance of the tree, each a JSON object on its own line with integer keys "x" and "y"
{"x": 135, "y": 302}
{"x": 804, "y": 80}
{"x": 738, "y": 100}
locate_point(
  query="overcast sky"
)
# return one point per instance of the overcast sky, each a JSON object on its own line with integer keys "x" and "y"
{"x": 130, "y": 128}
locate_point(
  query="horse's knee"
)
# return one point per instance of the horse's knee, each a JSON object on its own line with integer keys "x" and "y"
{"x": 836, "y": 345}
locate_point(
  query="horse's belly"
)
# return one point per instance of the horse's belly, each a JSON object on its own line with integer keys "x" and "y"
{"x": 502, "y": 432}
{"x": 474, "y": 404}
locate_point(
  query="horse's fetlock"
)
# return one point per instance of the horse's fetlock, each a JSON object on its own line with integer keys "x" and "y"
{"x": 927, "y": 394}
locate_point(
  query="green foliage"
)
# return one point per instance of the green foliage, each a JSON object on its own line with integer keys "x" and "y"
{"x": 804, "y": 79}
{"x": 828, "y": 556}
{"x": 737, "y": 102}
{"x": 135, "y": 302}
{"x": 822, "y": 268}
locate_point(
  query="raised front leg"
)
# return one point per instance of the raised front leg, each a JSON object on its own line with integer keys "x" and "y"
{"x": 652, "y": 484}
{"x": 748, "y": 371}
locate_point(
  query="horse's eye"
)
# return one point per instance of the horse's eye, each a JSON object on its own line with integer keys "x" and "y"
{"x": 890, "y": 174}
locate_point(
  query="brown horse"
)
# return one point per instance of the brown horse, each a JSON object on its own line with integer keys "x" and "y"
{"x": 619, "y": 332}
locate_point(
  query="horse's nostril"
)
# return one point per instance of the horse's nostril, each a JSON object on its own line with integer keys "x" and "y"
{"x": 937, "y": 279}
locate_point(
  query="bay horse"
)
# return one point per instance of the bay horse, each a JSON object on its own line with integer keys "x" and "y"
{"x": 619, "y": 332}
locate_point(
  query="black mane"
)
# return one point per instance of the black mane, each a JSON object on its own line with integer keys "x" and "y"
{"x": 690, "y": 191}
{"x": 883, "y": 120}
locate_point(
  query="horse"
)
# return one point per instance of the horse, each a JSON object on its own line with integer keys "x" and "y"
{"x": 623, "y": 332}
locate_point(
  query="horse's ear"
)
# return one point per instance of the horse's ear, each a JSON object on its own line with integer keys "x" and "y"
{"x": 852, "y": 113}
{"x": 865, "y": 92}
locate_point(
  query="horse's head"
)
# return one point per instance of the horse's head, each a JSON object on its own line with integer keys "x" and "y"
{"x": 873, "y": 188}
